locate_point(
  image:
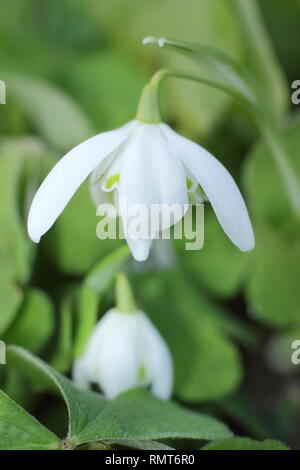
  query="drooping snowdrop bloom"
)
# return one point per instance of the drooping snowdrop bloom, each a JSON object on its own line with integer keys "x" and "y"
{"x": 145, "y": 163}
{"x": 125, "y": 351}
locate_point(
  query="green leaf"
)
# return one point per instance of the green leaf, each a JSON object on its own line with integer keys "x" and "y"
{"x": 207, "y": 364}
{"x": 273, "y": 287}
{"x": 217, "y": 70}
{"x": 134, "y": 415}
{"x": 243, "y": 443}
{"x": 34, "y": 323}
{"x": 55, "y": 115}
{"x": 20, "y": 431}
{"x": 259, "y": 56}
{"x": 139, "y": 415}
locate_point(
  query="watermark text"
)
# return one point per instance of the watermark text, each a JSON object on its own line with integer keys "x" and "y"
{"x": 156, "y": 221}
{"x": 2, "y": 353}
{"x": 2, "y": 92}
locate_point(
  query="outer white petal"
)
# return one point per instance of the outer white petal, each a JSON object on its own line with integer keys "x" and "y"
{"x": 104, "y": 329}
{"x": 158, "y": 359}
{"x": 67, "y": 175}
{"x": 151, "y": 173}
{"x": 117, "y": 360}
{"x": 220, "y": 189}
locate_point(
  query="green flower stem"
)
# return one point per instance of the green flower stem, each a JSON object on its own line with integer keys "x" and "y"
{"x": 148, "y": 107}
{"x": 125, "y": 301}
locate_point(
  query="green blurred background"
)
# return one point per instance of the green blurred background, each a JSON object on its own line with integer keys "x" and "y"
{"x": 76, "y": 67}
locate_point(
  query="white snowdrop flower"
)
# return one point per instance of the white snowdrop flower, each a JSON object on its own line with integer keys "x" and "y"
{"x": 125, "y": 351}
{"x": 143, "y": 162}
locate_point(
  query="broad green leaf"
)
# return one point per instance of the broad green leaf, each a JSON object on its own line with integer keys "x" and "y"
{"x": 207, "y": 364}
{"x": 259, "y": 56}
{"x": 273, "y": 287}
{"x": 55, "y": 115}
{"x": 243, "y": 443}
{"x": 34, "y": 323}
{"x": 21, "y": 431}
{"x": 114, "y": 81}
{"x": 134, "y": 415}
{"x": 76, "y": 227}
{"x": 139, "y": 415}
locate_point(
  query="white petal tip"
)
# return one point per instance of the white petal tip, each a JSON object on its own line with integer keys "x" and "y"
{"x": 140, "y": 256}
{"x": 140, "y": 248}
{"x": 34, "y": 238}
{"x": 247, "y": 245}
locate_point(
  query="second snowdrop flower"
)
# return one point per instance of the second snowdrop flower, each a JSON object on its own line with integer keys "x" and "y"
{"x": 125, "y": 351}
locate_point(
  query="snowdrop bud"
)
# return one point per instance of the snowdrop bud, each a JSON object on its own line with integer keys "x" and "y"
{"x": 125, "y": 351}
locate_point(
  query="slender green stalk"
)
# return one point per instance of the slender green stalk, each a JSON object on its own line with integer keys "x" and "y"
{"x": 261, "y": 58}
{"x": 125, "y": 301}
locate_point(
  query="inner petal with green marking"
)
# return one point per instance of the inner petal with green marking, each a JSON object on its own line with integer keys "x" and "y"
{"x": 112, "y": 182}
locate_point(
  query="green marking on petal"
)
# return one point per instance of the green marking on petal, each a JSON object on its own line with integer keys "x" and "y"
{"x": 142, "y": 373}
{"x": 189, "y": 184}
{"x": 112, "y": 180}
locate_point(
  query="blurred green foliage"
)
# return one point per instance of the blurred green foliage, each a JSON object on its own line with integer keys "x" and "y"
{"x": 74, "y": 68}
